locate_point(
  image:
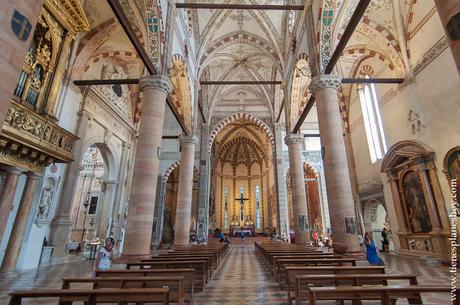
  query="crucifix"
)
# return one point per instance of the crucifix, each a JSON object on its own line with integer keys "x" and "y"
{"x": 241, "y": 200}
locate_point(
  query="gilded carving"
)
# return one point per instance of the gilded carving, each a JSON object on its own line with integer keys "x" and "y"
{"x": 46, "y": 141}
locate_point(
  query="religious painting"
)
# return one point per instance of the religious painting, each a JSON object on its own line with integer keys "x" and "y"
{"x": 419, "y": 218}
{"x": 453, "y": 167}
{"x": 350, "y": 225}
{"x": 303, "y": 223}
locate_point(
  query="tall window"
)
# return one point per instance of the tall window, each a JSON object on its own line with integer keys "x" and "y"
{"x": 241, "y": 206}
{"x": 372, "y": 121}
{"x": 257, "y": 207}
{"x": 226, "y": 207}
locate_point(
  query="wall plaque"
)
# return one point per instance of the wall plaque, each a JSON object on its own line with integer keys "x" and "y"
{"x": 350, "y": 226}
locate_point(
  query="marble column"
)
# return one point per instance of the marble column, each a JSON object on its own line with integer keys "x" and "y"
{"x": 155, "y": 89}
{"x": 299, "y": 196}
{"x": 185, "y": 190}
{"x": 12, "y": 48}
{"x": 203, "y": 195}
{"x": 338, "y": 185}
{"x": 17, "y": 234}
{"x": 449, "y": 11}
{"x": 61, "y": 224}
{"x": 7, "y": 196}
{"x": 282, "y": 219}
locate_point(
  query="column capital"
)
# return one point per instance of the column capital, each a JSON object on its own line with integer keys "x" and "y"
{"x": 293, "y": 138}
{"x": 188, "y": 140}
{"x": 325, "y": 81}
{"x": 159, "y": 82}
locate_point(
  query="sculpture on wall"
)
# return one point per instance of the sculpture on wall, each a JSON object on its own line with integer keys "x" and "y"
{"x": 45, "y": 203}
{"x": 416, "y": 204}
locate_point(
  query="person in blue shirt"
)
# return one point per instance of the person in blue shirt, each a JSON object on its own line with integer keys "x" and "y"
{"x": 371, "y": 251}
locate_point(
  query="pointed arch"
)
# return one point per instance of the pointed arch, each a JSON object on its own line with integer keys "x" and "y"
{"x": 237, "y": 116}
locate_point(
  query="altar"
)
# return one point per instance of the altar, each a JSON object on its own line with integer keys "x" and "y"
{"x": 247, "y": 230}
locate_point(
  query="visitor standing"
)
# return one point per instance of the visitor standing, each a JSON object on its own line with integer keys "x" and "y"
{"x": 105, "y": 255}
{"x": 385, "y": 241}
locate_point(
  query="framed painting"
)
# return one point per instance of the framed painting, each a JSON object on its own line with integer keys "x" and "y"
{"x": 414, "y": 197}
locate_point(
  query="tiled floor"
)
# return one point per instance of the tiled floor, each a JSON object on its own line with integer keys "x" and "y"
{"x": 240, "y": 280}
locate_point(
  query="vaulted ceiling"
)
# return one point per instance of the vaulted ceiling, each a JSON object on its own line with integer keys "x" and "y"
{"x": 240, "y": 45}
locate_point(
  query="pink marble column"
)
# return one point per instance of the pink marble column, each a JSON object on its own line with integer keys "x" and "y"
{"x": 299, "y": 196}
{"x": 17, "y": 234}
{"x": 12, "y": 49}
{"x": 184, "y": 190}
{"x": 446, "y": 10}
{"x": 139, "y": 222}
{"x": 338, "y": 185}
{"x": 7, "y": 196}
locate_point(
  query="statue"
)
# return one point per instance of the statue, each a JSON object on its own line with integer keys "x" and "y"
{"x": 45, "y": 202}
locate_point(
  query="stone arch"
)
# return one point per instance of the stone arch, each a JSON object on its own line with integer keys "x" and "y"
{"x": 375, "y": 216}
{"x": 370, "y": 210}
{"x": 237, "y": 116}
{"x": 107, "y": 152}
{"x": 172, "y": 167}
{"x": 301, "y": 78}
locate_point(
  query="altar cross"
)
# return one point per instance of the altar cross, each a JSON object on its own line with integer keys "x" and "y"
{"x": 241, "y": 200}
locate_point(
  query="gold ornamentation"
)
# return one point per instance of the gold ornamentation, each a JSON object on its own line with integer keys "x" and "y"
{"x": 30, "y": 141}
{"x": 69, "y": 13}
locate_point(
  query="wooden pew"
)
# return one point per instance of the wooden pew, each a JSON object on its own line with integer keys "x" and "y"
{"x": 384, "y": 293}
{"x": 200, "y": 266}
{"x": 187, "y": 273}
{"x": 274, "y": 259}
{"x": 174, "y": 283}
{"x": 293, "y": 271}
{"x": 304, "y": 281}
{"x": 178, "y": 258}
{"x": 94, "y": 296}
{"x": 272, "y": 256}
{"x": 212, "y": 256}
{"x": 282, "y": 263}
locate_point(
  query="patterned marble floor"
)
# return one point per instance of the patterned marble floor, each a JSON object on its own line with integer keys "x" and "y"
{"x": 240, "y": 279}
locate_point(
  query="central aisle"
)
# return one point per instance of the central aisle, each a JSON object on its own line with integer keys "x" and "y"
{"x": 241, "y": 280}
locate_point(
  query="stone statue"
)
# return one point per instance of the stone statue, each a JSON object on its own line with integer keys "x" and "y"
{"x": 45, "y": 202}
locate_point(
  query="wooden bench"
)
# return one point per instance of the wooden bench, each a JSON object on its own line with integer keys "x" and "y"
{"x": 293, "y": 271}
{"x": 188, "y": 275}
{"x": 283, "y": 263}
{"x": 387, "y": 294}
{"x": 178, "y": 258}
{"x": 174, "y": 283}
{"x": 213, "y": 257}
{"x": 272, "y": 258}
{"x": 200, "y": 266}
{"x": 95, "y": 296}
{"x": 304, "y": 281}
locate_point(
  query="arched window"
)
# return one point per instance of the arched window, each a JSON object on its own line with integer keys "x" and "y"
{"x": 257, "y": 207}
{"x": 241, "y": 207}
{"x": 226, "y": 207}
{"x": 372, "y": 121}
